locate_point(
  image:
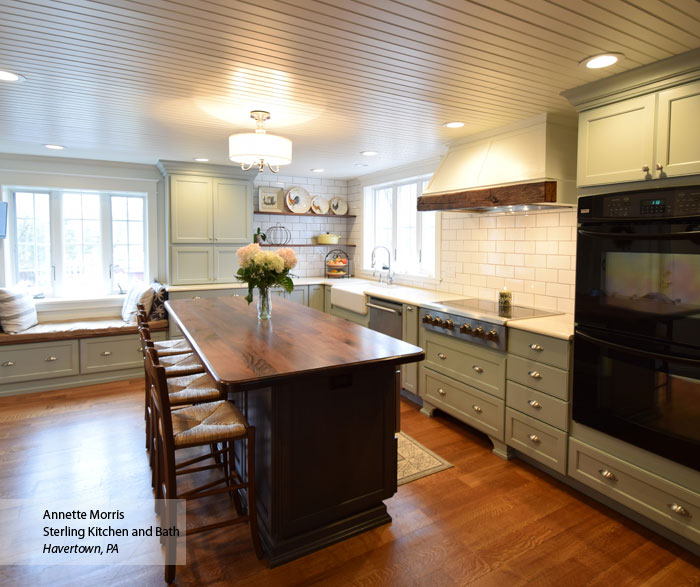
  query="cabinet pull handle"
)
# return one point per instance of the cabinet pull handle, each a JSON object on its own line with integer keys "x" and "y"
{"x": 477, "y": 369}
{"x": 106, "y": 353}
{"x": 51, "y": 358}
{"x": 477, "y": 409}
{"x": 680, "y": 510}
{"x": 442, "y": 356}
{"x": 409, "y": 308}
{"x": 196, "y": 297}
{"x": 659, "y": 167}
{"x": 534, "y": 438}
{"x": 8, "y": 364}
{"x": 605, "y": 474}
{"x": 534, "y": 374}
{"x": 441, "y": 391}
{"x": 534, "y": 403}
{"x": 536, "y": 347}
{"x": 645, "y": 168}
{"x": 140, "y": 349}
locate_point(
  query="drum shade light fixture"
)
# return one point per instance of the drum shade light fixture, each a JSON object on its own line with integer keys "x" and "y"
{"x": 259, "y": 148}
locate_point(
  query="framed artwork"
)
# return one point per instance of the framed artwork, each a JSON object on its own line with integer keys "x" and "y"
{"x": 270, "y": 199}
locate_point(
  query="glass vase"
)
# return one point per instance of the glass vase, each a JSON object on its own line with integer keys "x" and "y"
{"x": 264, "y": 306}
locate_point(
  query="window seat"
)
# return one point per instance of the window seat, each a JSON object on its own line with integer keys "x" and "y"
{"x": 74, "y": 329}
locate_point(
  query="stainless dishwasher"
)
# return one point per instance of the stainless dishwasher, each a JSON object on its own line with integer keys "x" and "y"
{"x": 385, "y": 317}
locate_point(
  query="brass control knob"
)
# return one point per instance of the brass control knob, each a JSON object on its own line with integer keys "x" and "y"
{"x": 428, "y": 319}
{"x": 492, "y": 335}
{"x": 437, "y": 321}
{"x": 449, "y": 324}
{"x": 465, "y": 329}
{"x": 478, "y": 332}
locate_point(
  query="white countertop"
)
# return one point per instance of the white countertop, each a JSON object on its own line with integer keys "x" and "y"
{"x": 561, "y": 326}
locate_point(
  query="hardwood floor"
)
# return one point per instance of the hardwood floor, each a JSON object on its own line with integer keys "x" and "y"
{"x": 484, "y": 522}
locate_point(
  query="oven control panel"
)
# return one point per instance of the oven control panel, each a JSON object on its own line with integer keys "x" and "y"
{"x": 663, "y": 203}
{"x": 476, "y": 331}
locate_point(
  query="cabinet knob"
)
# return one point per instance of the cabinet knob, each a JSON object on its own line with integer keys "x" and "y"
{"x": 535, "y": 404}
{"x": 477, "y": 409}
{"x": 534, "y": 374}
{"x": 8, "y": 364}
{"x": 659, "y": 167}
{"x": 106, "y": 353}
{"x": 605, "y": 474}
{"x": 679, "y": 509}
{"x": 51, "y": 358}
{"x": 536, "y": 347}
{"x": 534, "y": 438}
{"x": 477, "y": 369}
{"x": 442, "y": 356}
{"x": 441, "y": 391}
{"x": 196, "y": 297}
{"x": 645, "y": 169}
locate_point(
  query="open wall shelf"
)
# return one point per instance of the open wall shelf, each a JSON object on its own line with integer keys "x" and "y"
{"x": 308, "y": 214}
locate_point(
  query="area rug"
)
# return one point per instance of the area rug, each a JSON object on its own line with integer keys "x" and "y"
{"x": 416, "y": 461}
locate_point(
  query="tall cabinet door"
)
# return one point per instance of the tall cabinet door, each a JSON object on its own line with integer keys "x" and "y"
{"x": 190, "y": 209}
{"x": 616, "y": 142}
{"x": 225, "y": 264}
{"x": 409, "y": 371}
{"x": 233, "y": 212}
{"x": 191, "y": 265}
{"x": 678, "y": 131}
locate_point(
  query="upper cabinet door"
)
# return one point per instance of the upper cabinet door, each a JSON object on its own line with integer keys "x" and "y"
{"x": 191, "y": 210}
{"x": 616, "y": 142}
{"x": 233, "y": 212}
{"x": 678, "y": 131}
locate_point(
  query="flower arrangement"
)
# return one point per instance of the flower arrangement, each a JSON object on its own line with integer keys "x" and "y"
{"x": 264, "y": 269}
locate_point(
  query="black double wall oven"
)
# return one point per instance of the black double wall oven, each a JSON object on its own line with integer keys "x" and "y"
{"x": 637, "y": 315}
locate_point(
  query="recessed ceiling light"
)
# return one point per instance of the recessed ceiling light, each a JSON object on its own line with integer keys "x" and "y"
{"x": 318, "y": 170}
{"x": 201, "y": 159}
{"x": 8, "y": 76}
{"x": 361, "y": 165}
{"x": 455, "y": 124}
{"x": 55, "y": 147}
{"x": 602, "y": 60}
{"x": 368, "y": 153}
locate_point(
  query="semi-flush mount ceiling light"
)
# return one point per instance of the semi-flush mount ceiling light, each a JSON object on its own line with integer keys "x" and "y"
{"x": 259, "y": 148}
{"x": 455, "y": 124}
{"x": 602, "y": 60}
{"x": 8, "y": 76}
{"x": 55, "y": 147}
{"x": 368, "y": 153}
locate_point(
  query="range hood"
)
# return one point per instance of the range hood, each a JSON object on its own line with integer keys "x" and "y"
{"x": 530, "y": 165}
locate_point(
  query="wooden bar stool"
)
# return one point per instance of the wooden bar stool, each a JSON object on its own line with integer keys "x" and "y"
{"x": 207, "y": 425}
{"x": 174, "y": 346}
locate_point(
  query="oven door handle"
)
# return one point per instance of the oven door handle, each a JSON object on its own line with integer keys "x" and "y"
{"x": 633, "y": 351}
{"x": 627, "y": 236}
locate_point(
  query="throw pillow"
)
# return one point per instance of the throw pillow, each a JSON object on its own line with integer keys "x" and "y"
{"x": 160, "y": 296}
{"x": 138, "y": 293}
{"x": 17, "y": 310}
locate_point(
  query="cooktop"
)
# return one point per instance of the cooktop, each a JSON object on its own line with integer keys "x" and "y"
{"x": 488, "y": 310}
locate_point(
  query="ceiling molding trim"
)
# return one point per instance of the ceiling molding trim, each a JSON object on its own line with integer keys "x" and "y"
{"x": 654, "y": 77}
{"x": 205, "y": 169}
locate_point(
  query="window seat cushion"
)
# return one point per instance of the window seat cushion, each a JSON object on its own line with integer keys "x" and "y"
{"x": 69, "y": 329}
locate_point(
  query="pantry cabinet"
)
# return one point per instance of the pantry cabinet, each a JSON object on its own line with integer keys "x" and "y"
{"x": 645, "y": 138}
{"x": 201, "y": 264}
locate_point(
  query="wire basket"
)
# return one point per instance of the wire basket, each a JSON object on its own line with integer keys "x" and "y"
{"x": 337, "y": 264}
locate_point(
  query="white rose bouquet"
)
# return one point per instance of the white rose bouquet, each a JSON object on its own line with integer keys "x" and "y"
{"x": 264, "y": 269}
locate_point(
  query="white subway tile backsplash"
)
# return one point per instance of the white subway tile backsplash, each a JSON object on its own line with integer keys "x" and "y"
{"x": 505, "y": 221}
{"x": 536, "y": 234}
{"x": 515, "y": 234}
{"x": 558, "y": 261}
{"x": 526, "y": 220}
{"x": 505, "y": 246}
{"x": 557, "y": 290}
{"x": 546, "y": 275}
{"x": 548, "y": 219}
{"x": 546, "y": 247}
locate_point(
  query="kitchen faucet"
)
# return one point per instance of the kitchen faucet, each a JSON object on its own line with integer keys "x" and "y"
{"x": 389, "y": 276}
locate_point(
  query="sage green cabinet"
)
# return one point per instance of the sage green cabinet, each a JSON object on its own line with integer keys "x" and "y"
{"x": 316, "y": 297}
{"x": 649, "y": 137}
{"x": 27, "y": 362}
{"x": 112, "y": 353}
{"x": 409, "y": 372}
{"x": 199, "y": 264}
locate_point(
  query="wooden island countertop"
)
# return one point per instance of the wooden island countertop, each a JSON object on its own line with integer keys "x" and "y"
{"x": 322, "y": 394}
{"x": 240, "y": 351}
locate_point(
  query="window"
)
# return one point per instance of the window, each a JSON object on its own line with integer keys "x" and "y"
{"x": 391, "y": 220}
{"x": 78, "y": 244}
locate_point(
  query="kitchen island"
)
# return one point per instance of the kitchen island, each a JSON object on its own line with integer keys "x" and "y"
{"x": 323, "y": 396}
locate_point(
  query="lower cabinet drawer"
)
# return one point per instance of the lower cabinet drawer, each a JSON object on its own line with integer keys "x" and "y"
{"x": 476, "y": 408}
{"x": 111, "y": 353}
{"x": 663, "y": 501}
{"x": 538, "y": 440}
{"x": 538, "y": 376}
{"x": 26, "y": 362}
{"x": 550, "y": 410}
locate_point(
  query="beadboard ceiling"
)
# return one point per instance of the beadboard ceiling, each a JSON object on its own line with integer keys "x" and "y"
{"x": 140, "y": 81}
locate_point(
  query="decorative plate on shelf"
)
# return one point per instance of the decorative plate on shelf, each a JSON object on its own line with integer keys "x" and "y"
{"x": 320, "y": 205}
{"x": 339, "y": 206}
{"x": 298, "y": 200}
